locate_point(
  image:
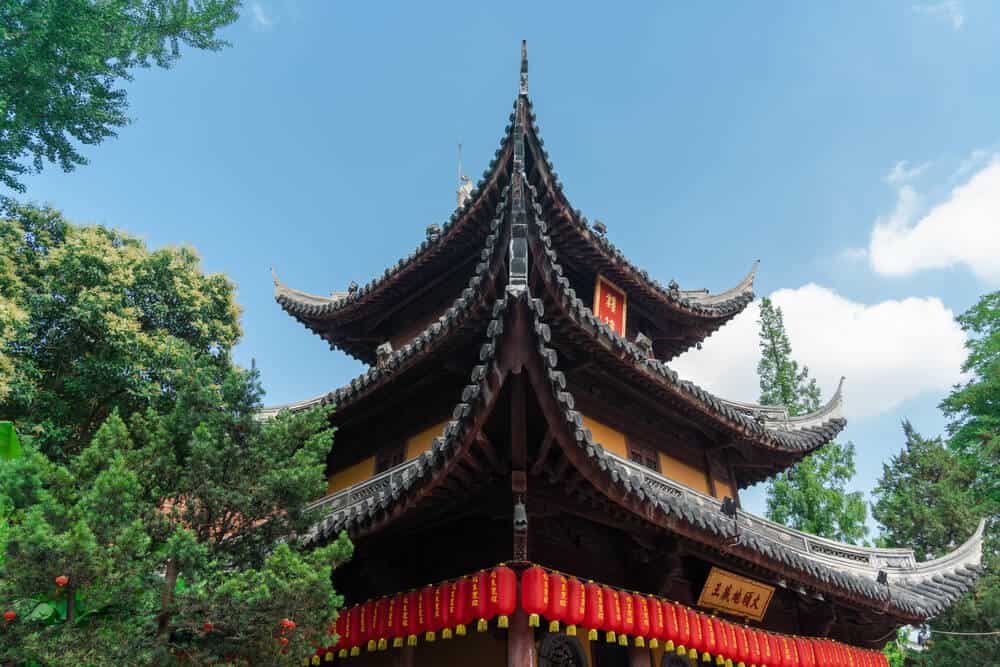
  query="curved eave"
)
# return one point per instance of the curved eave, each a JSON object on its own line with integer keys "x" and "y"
{"x": 712, "y": 309}
{"x": 808, "y": 432}
{"x": 460, "y": 315}
{"x": 311, "y": 309}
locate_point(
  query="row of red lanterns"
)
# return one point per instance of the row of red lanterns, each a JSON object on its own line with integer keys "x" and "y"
{"x": 448, "y": 609}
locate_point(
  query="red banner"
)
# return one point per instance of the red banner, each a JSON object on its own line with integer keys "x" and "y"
{"x": 610, "y": 305}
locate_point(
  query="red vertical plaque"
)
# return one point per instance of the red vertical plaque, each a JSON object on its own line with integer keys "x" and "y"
{"x": 610, "y": 304}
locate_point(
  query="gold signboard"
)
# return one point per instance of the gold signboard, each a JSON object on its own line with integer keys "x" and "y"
{"x": 736, "y": 595}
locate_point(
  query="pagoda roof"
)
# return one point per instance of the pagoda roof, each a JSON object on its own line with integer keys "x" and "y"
{"x": 696, "y": 313}
{"x": 516, "y": 320}
{"x": 913, "y": 591}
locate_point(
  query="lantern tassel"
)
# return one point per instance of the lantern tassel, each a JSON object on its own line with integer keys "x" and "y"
{"x": 693, "y": 654}
{"x": 503, "y": 622}
{"x": 460, "y": 629}
{"x": 342, "y": 653}
{"x": 741, "y": 664}
{"x": 719, "y": 660}
{"x": 729, "y": 662}
{"x": 610, "y": 637}
{"x": 682, "y": 650}
{"x": 534, "y": 621}
{"x": 640, "y": 642}
{"x": 571, "y": 630}
{"x": 397, "y": 642}
{"x": 355, "y": 650}
{"x": 553, "y": 626}
{"x": 669, "y": 646}
{"x": 654, "y": 643}
{"x": 383, "y": 644}
{"x": 411, "y": 640}
{"x": 372, "y": 644}
{"x": 328, "y": 657}
{"x": 430, "y": 636}
{"x": 446, "y": 633}
{"x": 623, "y": 640}
{"x": 482, "y": 625}
{"x": 705, "y": 657}
{"x": 315, "y": 660}
{"x": 592, "y": 635}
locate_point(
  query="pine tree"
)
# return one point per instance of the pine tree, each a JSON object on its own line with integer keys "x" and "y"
{"x": 813, "y": 495}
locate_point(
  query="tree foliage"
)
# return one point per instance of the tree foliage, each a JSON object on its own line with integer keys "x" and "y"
{"x": 171, "y": 506}
{"x": 62, "y": 63}
{"x": 100, "y": 324}
{"x": 933, "y": 493}
{"x": 813, "y": 495}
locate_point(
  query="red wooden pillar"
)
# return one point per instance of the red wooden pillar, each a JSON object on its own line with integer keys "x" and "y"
{"x": 521, "y": 642}
{"x": 639, "y": 657}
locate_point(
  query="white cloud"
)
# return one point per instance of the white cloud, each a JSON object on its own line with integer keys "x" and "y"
{"x": 262, "y": 20}
{"x": 904, "y": 173}
{"x": 964, "y": 230}
{"x": 949, "y": 10}
{"x": 889, "y": 351}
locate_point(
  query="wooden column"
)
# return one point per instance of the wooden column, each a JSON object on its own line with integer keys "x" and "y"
{"x": 521, "y": 642}
{"x": 639, "y": 657}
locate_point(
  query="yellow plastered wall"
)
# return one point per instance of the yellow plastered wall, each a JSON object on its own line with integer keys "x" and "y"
{"x": 350, "y": 476}
{"x": 421, "y": 442}
{"x": 614, "y": 441}
{"x": 607, "y": 437}
{"x": 686, "y": 474}
{"x": 723, "y": 489}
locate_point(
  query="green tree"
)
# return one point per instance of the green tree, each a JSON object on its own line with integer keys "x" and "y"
{"x": 62, "y": 63}
{"x": 932, "y": 495}
{"x": 811, "y": 496}
{"x": 98, "y": 323}
{"x": 168, "y": 505}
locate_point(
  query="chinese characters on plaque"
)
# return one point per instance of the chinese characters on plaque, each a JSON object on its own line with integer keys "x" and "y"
{"x": 735, "y": 595}
{"x": 610, "y": 304}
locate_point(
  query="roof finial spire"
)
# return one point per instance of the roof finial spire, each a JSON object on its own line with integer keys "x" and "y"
{"x": 464, "y": 189}
{"x": 524, "y": 67}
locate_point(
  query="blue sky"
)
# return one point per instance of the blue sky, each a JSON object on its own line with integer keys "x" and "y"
{"x": 849, "y": 146}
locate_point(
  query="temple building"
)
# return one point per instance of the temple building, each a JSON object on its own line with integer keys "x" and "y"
{"x": 527, "y": 482}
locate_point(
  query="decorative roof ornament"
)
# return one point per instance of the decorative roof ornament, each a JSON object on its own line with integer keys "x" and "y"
{"x": 600, "y": 228}
{"x": 524, "y": 67}
{"x": 464, "y": 190}
{"x": 433, "y": 231}
{"x": 382, "y": 354}
{"x": 352, "y": 288}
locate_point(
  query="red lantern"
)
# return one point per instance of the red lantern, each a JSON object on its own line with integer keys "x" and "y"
{"x": 380, "y": 623}
{"x": 442, "y": 612}
{"x": 789, "y": 651}
{"x": 458, "y": 606}
{"x": 594, "y": 617}
{"x": 742, "y": 646}
{"x": 628, "y": 617}
{"x": 576, "y": 611}
{"x": 479, "y": 585}
{"x": 766, "y": 655}
{"x": 425, "y": 611}
{"x": 558, "y": 600}
{"x": 364, "y": 618}
{"x": 723, "y": 649}
{"x": 696, "y": 644}
{"x": 394, "y": 621}
{"x": 683, "y": 630}
{"x": 734, "y": 644}
{"x": 353, "y": 629}
{"x": 535, "y": 594}
{"x": 777, "y": 652}
{"x": 612, "y": 614}
{"x": 657, "y": 622}
{"x": 755, "y": 652}
{"x": 708, "y": 638}
{"x": 339, "y": 628}
{"x": 409, "y": 617}
{"x": 670, "y": 629}
{"x": 642, "y": 620}
{"x": 502, "y": 600}
{"x": 805, "y": 649}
